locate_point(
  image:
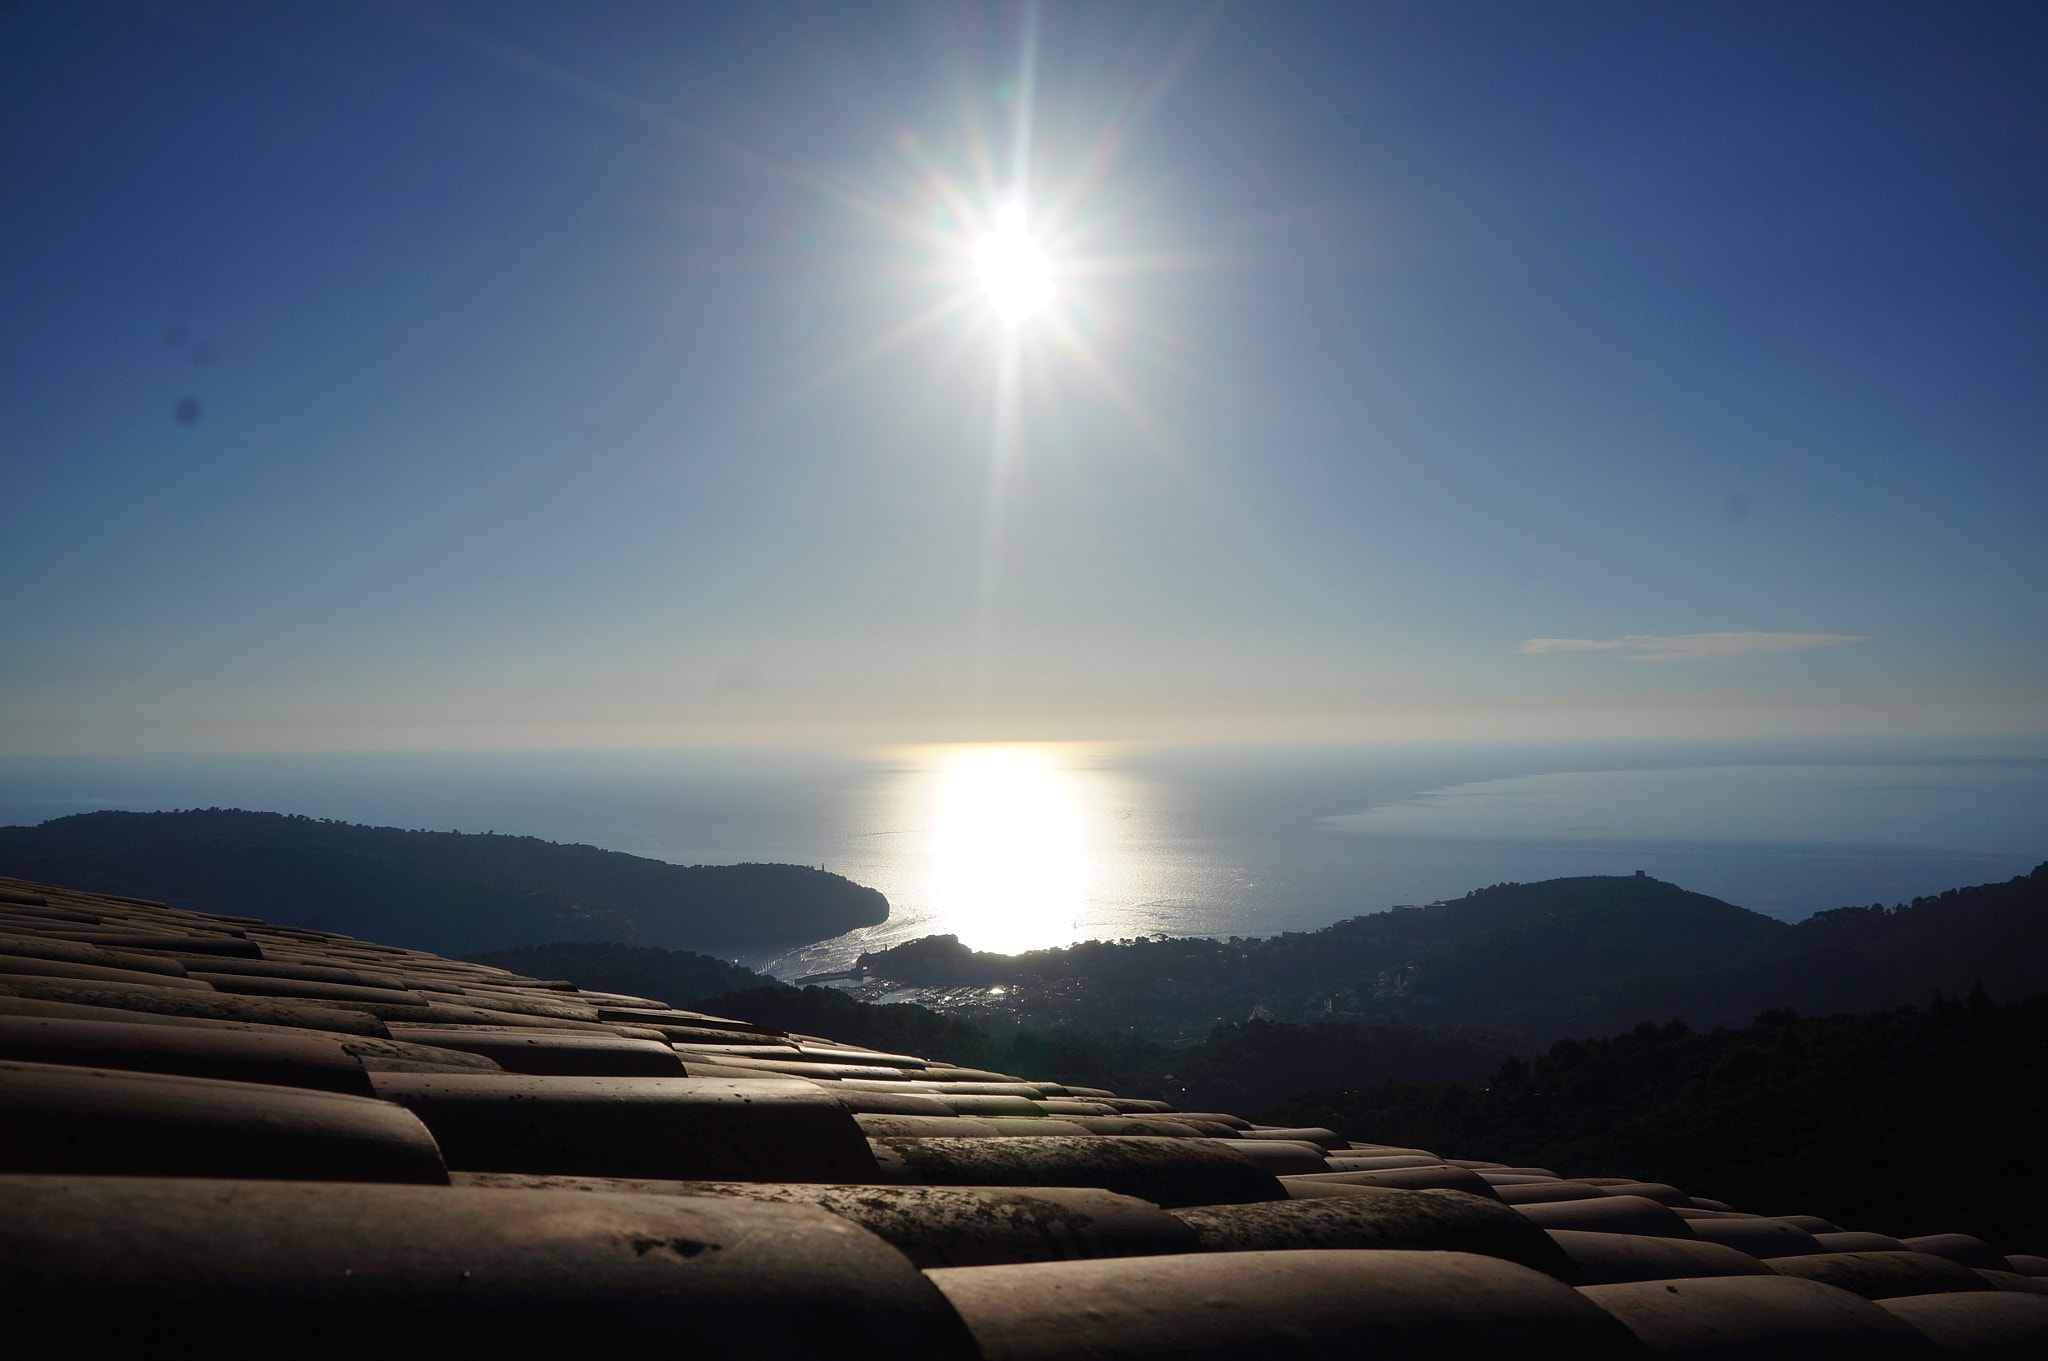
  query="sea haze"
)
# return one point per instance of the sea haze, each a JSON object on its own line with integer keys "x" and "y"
{"x": 1018, "y": 846}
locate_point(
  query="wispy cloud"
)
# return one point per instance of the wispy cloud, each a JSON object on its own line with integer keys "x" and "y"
{"x": 1568, "y": 644}
{"x": 1693, "y": 647}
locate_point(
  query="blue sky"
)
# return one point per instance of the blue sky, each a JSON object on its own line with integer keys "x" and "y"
{"x": 515, "y": 375}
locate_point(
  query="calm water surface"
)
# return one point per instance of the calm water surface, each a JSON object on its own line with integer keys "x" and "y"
{"x": 1017, "y": 846}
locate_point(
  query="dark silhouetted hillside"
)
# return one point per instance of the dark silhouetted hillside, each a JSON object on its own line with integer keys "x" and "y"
{"x": 1247, "y": 1066}
{"x": 1508, "y": 956}
{"x": 1908, "y": 1118}
{"x": 679, "y": 977}
{"x": 1862, "y": 958}
{"x": 1567, "y": 956}
{"x": 1542, "y": 959}
{"x": 896, "y": 1027}
{"x": 439, "y": 891}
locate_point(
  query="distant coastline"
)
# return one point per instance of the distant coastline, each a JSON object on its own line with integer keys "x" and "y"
{"x": 1527, "y": 963}
{"x": 1190, "y": 841}
{"x": 439, "y": 891}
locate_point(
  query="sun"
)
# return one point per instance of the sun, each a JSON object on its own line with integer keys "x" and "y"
{"x": 1013, "y": 268}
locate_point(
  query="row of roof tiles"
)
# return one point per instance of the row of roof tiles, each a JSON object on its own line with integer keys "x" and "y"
{"x": 249, "y": 1136}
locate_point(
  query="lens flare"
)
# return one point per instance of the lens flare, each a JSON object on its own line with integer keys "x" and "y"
{"x": 1013, "y": 268}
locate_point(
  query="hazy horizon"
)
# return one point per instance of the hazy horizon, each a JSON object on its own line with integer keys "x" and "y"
{"x": 1016, "y": 846}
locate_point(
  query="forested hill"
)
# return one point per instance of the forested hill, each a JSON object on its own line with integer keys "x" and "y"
{"x": 1911, "y": 1117}
{"x": 1538, "y": 961}
{"x": 448, "y": 892}
{"x": 1440, "y": 963}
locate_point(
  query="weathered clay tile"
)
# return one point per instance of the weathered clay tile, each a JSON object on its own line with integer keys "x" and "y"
{"x": 56, "y": 1118}
{"x": 573, "y": 1054}
{"x": 301, "y": 989}
{"x": 1228, "y": 1307}
{"x": 893, "y": 1103}
{"x": 16, "y": 966}
{"x": 1764, "y": 1239}
{"x": 919, "y": 1126}
{"x": 1168, "y": 1172}
{"x": 1349, "y": 1161}
{"x": 2010, "y": 1280}
{"x": 1810, "y": 1223}
{"x": 1881, "y": 1275}
{"x": 173, "y": 1001}
{"x": 231, "y": 946}
{"x": 819, "y": 1053}
{"x": 1987, "y": 1326}
{"x": 1439, "y": 1177}
{"x": 138, "y": 1040}
{"x": 941, "y": 1072}
{"x": 548, "y": 1006}
{"x": 418, "y": 1008}
{"x": 704, "y": 1129}
{"x": 1759, "y": 1318}
{"x": 284, "y": 1060}
{"x": 271, "y": 967}
{"x": 1610, "y": 1214}
{"x": 1280, "y": 1157}
{"x": 817, "y": 1072}
{"x": 1652, "y": 1190}
{"x": 677, "y": 1025}
{"x": 962, "y": 1103}
{"x": 1960, "y": 1247}
{"x": 37, "y": 947}
{"x": 399, "y": 1055}
{"x": 1321, "y": 1138}
{"x": 694, "y": 1068}
{"x": 759, "y": 1047}
{"x": 1236, "y": 1122}
{"x": 1162, "y": 1125}
{"x": 528, "y": 1026}
{"x": 240, "y": 1269}
{"x": 1614, "y": 1258}
{"x": 709, "y": 1040}
{"x": 1849, "y": 1241}
{"x": 1409, "y": 1220}
{"x": 1030, "y": 1091}
{"x": 938, "y": 1226}
{"x": 1544, "y": 1193}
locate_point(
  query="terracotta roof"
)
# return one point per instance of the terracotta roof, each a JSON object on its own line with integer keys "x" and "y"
{"x": 222, "y": 1136}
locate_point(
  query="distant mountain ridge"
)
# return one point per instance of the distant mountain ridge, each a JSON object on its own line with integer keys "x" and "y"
{"x": 1854, "y": 959}
{"x": 1537, "y": 961}
{"x": 447, "y": 892}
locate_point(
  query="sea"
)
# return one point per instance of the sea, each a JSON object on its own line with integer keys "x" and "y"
{"x": 1015, "y": 846}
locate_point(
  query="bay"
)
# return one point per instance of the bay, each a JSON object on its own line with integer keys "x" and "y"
{"x": 1018, "y": 846}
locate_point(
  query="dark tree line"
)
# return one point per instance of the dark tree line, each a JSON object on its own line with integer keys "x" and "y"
{"x": 1904, "y": 1121}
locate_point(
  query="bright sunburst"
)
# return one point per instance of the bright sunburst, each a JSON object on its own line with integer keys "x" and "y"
{"x": 1013, "y": 267}
{"x": 1015, "y": 264}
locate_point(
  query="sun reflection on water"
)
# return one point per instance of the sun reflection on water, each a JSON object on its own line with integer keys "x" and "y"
{"x": 1013, "y": 846}
{"x": 1010, "y": 831}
